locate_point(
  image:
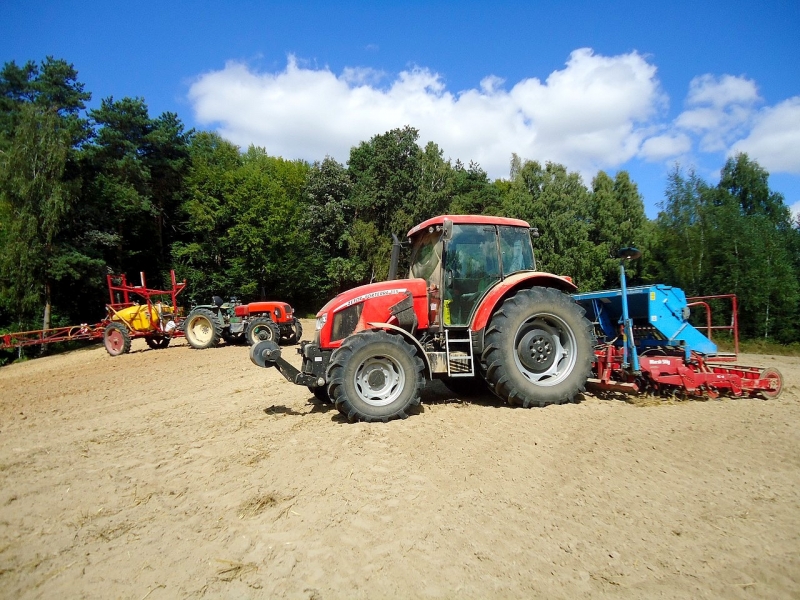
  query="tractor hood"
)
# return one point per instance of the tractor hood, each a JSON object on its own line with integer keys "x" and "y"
{"x": 391, "y": 302}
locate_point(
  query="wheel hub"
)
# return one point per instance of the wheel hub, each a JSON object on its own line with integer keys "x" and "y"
{"x": 379, "y": 380}
{"x": 115, "y": 340}
{"x": 376, "y": 379}
{"x": 537, "y": 349}
{"x": 202, "y": 330}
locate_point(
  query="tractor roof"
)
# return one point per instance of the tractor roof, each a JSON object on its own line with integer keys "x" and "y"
{"x": 468, "y": 220}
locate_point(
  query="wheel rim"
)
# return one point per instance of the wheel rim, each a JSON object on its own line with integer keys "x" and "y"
{"x": 201, "y": 330}
{"x": 262, "y": 333}
{"x": 114, "y": 340}
{"x": 545, "y": 349}
{"x": 379, "y": 380}
{"x": 777, "y": 382}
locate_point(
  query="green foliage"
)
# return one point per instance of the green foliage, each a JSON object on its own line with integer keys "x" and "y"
{"x": 557, "y": 203}
{"x": 735, "y": 238}
{"x": 135, "y": 169}
{"x": 240, "y": 232}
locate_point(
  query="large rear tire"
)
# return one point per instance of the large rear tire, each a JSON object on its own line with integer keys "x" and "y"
{"x": 116, "y": 339}
{"x": 375, "y": 376}
{"x": 538, "y": 349}
{"x": 262, "y": 329}
{"x": 202, "y": 329}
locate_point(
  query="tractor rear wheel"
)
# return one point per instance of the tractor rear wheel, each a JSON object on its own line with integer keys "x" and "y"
{"x": 538, "y": 349}
{"x": 157, "y": 342}
{"x": 375, "y": 376}
{"x": 202, "y": 329}
{"x": 116, "y": 339}
{"x": 262, "y": 329}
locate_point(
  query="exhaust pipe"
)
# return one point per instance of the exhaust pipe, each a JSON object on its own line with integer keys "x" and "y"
{"x": 395, "y": 259}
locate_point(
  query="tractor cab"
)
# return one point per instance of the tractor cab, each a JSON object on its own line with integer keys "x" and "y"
{"x": 461, "y": 258}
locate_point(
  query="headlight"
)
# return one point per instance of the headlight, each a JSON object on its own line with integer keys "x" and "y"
{"x": 321, "y": 321}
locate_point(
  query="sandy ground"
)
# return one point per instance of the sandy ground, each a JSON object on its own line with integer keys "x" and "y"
{"x": 180, "y": 473}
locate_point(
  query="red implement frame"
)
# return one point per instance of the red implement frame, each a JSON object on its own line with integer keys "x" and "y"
{"x": 121, "y": 295}
{"x": 733, "y": 327}
{"x": 700, "y": 376}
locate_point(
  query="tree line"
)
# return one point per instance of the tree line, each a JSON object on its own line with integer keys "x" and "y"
{"x": 112, "y": 189}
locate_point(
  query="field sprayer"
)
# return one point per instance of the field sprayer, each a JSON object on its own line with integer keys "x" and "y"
{"x": 646, "y": 344}
{"x": 473, "y": 312}
{"x": 133, "y": 311}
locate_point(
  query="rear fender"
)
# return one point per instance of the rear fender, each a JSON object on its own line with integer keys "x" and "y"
{"x": 510, "y": 286}
{"x": 410, "y": 338}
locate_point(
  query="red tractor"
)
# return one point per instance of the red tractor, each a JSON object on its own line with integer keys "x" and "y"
{"x": 236, "y": 323}
{"x": 474, "y": 312}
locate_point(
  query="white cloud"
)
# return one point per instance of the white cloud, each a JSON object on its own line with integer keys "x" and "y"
{"x": 589, "y": 115}
{"x": 665, "y": 146}
{"x": 721, "y": 92}
{"x": 795, "y": 210}
{"x": 597, "y": 112}
{"x": 719, "y": 110}
{"x": 774, "y": 140}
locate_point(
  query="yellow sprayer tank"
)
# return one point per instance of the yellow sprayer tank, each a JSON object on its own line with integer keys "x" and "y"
{"x": 140, "y": 317}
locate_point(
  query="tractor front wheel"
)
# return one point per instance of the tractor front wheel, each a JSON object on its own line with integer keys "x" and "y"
{"x": 296, "y": 334}
{"x": 538, "y": 349}
{"x": 116, "y": 339}
{"x": 262, "y": 329}
{"x": 202, "y": 329}
{"x": 375, "y": 376}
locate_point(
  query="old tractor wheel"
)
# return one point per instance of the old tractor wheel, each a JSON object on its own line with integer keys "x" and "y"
{"x": 538, "y": 349}
{"x": 375, "y": 376}
{"x": 262, "y": 329}
{"x": 297, "y": 333}
{"x": 202, "y": 329}
{"x": 157, "y": 342}
{"x": 116, "y": 339}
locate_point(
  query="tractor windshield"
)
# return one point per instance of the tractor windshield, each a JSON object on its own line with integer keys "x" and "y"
{"x": 471, "y": 267}
{"x": 472, "y": 260}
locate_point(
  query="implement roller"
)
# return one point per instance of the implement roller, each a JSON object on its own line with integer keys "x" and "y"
{"x": 646, "y": 344}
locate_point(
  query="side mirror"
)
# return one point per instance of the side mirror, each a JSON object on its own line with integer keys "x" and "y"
{"x": 535, "y": 232}
{"x": 448, "y": 229}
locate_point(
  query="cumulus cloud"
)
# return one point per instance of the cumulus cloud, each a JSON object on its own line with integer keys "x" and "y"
{"x": 592, "y": 114}
{"x": 719, "y": 109}
{"x": 597, "y": 112}
{"x": 774, "y": 140}
{"x": 662, "y": 147}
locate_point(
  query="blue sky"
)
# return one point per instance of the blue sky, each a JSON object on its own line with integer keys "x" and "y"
{"x": 615, "y": 85}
